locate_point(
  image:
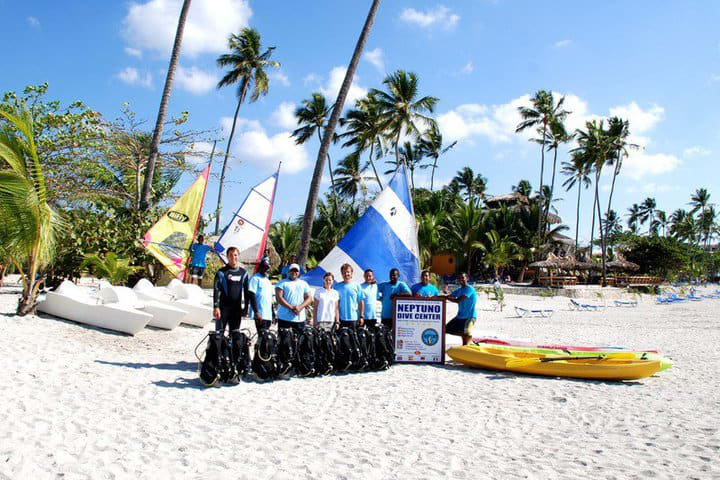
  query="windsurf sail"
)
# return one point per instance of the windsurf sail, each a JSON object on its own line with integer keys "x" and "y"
{"x": 385, "y": 237}
{"x": 170, "y": 238}
{"x": 248, "y": 229}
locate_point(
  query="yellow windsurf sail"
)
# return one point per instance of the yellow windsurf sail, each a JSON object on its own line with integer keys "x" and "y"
{"x": 170, "y": 238}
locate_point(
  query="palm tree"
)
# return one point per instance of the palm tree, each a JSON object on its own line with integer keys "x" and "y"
{"x": 309, "y": 216}
{"x": 247, "y": 64}
{"x": 612, "y": 225}
{"x": 431, "y": 146}
{"x": 350, "y": 178}
{"x": 284, "y": 237}
{"x": 115, "y": 270}
{"x": 578, "y": 173}
{"x": 363, "y": 130}
{"x": 618, "y": 132}
{"x": 401, "y": 109}
{"x": 523, "y": 188}
{"x": 312, "y": 117}
{"x": 30, "y": 226}
{"x": 411, "y": 156}
{"x": 556, "y": 136}
{"x": 473, "y": 185}
{"x": 540, "y": 115}
{"x": 164, "y": 100}
{"x": 699, "y": 201}
{"x": 429, "y": 239}
{"x": 461, "y": 230}
{"x": 647, "y": 213}
{"x": 661, "y": 221}
{"x": 499, "y": 251}
{"x": 634, "y": 214}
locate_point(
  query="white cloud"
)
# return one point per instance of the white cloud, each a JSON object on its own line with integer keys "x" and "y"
{"x": 375, "y": 57}
{"x": 439, "y": 15}
{"x": 311, "y": 78}
{"x": 640, "y": 164}
{"x": 467, "y": 69}
{"x": 640, "y": 120}
{"x": 562, "y": 43}
{"x": 714, "y": 78}
{"x": 280, "y": 78}
{"x": 284, "y": 116}
{"x": 132, "y": 76}
{"x": 152, "y": 24}
{"x": 252, "y": 144}
{"x": 33, "y": 22}
{"x": 133, "y": 52}
{"x": 335, "y": 80}
{"x": 195, "y": 80}
{"x": 199, "y": 153}
{"x": 651, "y": 188}
{"x": 696, "y": 151}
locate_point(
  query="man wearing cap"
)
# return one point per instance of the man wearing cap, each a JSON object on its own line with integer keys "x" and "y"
{"x": 388, "y": 291}
{"x": 260, "y": 295}
{"x": 293, "y": 295}
{"x": 285, "y": 270}
{"x": 424, "y": 288}
{"x": 351, "y": 299}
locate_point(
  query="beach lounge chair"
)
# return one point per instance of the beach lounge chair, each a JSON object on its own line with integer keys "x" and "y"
{"x": 675, "y": 298}
{"x": 524, "y": 312}
{"x": 164, "y": 316}
{"x": 693, "y": 298}
{"x": 710, "y": 295}
{"x": 73, "y": 303}
{"x": 585, "y": 307}
{"x": 626, "y": 303}
{"x": 197, "y": 312}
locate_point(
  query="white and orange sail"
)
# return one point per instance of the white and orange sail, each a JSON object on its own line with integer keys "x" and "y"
{"x": 248, "y": 229}
{"x": 170, "y": 238}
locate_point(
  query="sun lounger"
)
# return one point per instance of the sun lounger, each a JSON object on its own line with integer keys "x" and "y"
{"x": 164, "y": 316}
{"x": 693, "y": 298}
{"x": 627, "y": 304}
{"x": 197, "y": 313}
{"x": 73, "y": 303}
{"x": 710, "y": 295}
{"x": 675, "y": 298}
{"x": 524, "y": 312}
{"x": 585, "y": 307}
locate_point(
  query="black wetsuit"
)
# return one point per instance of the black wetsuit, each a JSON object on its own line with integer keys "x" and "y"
{"x": 230, "y": 295}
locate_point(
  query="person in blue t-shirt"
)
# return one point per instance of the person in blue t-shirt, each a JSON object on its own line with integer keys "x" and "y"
{"x": 284, "y": 272}
{"x": 424, "y": 288}
{"x": 389, "y": 290}
{"x": 197, "y": 263}
{"x": 466, "y": 298}
{"x": 350, "y": 304}
{"x": 370, "y": 291}
{"x": 293, "y": 295}
{"x": 260, "y": 292}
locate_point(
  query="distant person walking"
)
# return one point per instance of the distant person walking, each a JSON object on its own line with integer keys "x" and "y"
{"x": 325, "y": 306}
{"x": 370, "y": 292}
{"x": 351, "y": 306}
{"x": 230, "y": 293}
{"x": 466, "y": 299}
{"x": 424, "y": 288}
{"x": 198, "y": 251}
{"x": 260, "y": 292}
{"x": 293, "y": 295}
{"x": 388, "y": 291}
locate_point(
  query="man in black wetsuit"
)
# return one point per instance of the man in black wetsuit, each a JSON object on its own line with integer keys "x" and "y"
{"x": 230, "y": 293}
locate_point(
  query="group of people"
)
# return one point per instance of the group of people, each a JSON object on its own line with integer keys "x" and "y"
{"x": 238, "y": 294}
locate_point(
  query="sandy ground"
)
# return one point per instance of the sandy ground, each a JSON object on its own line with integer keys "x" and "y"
{"x": 80, "y": 402}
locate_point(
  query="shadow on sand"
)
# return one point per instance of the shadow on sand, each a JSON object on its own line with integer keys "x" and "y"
{"x": 180, "y": 366}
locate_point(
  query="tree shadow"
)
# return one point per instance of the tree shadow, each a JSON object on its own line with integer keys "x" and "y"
{"x": 180, "y": 366}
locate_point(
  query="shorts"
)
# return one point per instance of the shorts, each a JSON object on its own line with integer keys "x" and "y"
{"x": 460, "y": 326}
{"x": 259, "y": 325}
{"x": 196, "y": 271}
{"x": 231, "y": 318}
{"x": 348, "y": 324}
{"x": 388, "y": 322}
{"x": 297, "y": 326}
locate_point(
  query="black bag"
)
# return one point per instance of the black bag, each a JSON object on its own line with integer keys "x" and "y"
{"x": 366, "y": 342}
{"x": 348, "y": 352}
{"x": 264, "y": 362}
{"x": 305, "y": 365}
{"x": 325, "y": 350}
{"x": 216, "y": 363}
{"x": 240, "y": 353}
{"x": 287, "y": 349}
{"x": 384, "y": 351}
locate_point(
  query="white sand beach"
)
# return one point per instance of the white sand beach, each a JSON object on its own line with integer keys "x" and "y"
{"x": 80, "y": 402}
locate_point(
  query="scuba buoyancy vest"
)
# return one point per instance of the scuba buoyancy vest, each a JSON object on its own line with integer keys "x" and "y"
{"x": 384, "y": 351}
{"x": 366, "y": 342}
{"x": 216, "y": 364}
{"x": 348, "y": 351}
{"x": 240, "y": 352}
{"x": 287, "y": 349}
{"x": 306, "y": 356}
{"x": 264, "y": 362}
{"x": 326, "y": 345}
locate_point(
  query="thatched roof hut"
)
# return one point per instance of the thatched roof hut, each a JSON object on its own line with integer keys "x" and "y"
{"x": 621, "y": 263}
{"x": 552, "y": 261}
{"x": 509, "y": 198}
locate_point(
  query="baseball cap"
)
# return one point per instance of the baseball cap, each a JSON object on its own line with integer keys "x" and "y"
{"x": 265, "y": 260}
{"x": 294, "y": 266}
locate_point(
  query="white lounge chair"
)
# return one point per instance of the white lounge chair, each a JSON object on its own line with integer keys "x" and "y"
{"x": 524, "y": 312}
{"x": 197, "y": 312}
{"x": 626, "y": 304}
{"x": 164, "y": 316}
{"x": 72, "y": 303}
{"x": 585, "y": 307}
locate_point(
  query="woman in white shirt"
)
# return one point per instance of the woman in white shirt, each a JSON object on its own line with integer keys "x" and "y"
{"x": 325, "y": 307}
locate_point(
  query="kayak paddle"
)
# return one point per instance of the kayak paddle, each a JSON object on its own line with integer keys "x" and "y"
{"x": 523, "y": 362}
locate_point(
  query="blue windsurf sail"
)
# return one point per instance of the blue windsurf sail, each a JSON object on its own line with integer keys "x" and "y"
{"x": 385, "y": 237}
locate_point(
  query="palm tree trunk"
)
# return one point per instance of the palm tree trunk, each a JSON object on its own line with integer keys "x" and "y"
{"x": 432, "y": 174}
{"x": 592, "y": 226}
{"x": 540, "y": 190}
{"x": 332, "y": 179}
{"x": 157, "y": 134}
{"x": 309, "y": 216}
{"x": 600, "y": 226}
{"x": 577, "y": 217}
{"x": 225, "y": 160}
{"x": 616, "y": 170}
{"x": 552, "y": 188}
{"x": 372, "y": 163}
{"x": 397, "y": 147}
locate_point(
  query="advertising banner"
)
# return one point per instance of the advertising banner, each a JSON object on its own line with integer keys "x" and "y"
{"x": 419, "y": 329}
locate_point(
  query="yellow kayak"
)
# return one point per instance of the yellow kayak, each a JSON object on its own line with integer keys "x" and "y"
{"x": 599, "y": 366}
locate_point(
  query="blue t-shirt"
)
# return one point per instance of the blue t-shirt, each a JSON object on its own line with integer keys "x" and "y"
{"x": 199, "y": 251}
{"x": 350, "y": 295}
{"x": 294, "y": 293}
{"x": 428, "y": 290}
{"x": 286, "y": 270}
{"x": 466, "y": 307}
{"x": 386, "y": 291}
{"x": 370, "y": 301}
{"x": 260, "y": 285}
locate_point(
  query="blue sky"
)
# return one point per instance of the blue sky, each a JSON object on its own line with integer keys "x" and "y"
{"x": 654, "y": 62}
